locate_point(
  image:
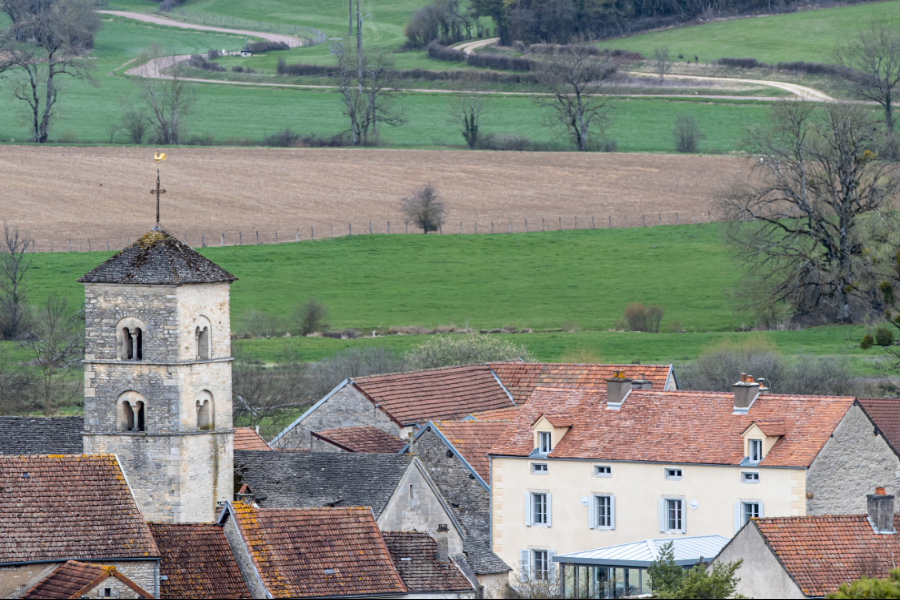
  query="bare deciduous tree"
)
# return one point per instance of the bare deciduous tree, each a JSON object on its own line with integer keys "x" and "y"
{"x": 466, "y": 110}
{"x": 262, "y": 392}
{"x": 797, "y": 223}
{"x": 873, "y": 62}
{"x": 579, "y": 86}
{"x": 57, "y": 342}
{"x": 661, "y": 61}
{"x": 687, "y": 134}
{"x": 15, "y": 261}
{"x": 366, "y": 85}
{"x": 16, "y": 385}
{"x": 169, "y": 100}
{"x": 134, "y": 121}
{"x": 425, "y": 208}
{"x": 311, "y": 316}
{"x": 44, "y": 43}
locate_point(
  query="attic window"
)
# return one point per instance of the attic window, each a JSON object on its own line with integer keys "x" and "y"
{"x": 25, "y": 475}
{"x": 755, "y": 450}
{"x": 749, "y": 477}
{"x": 405, "y": 559}
{"x": 673, "y": 474}
{"x": 539, "y": 468}
{"x": 601, "y": 471}
{"x": 107, "y": 592}
{"x": 544, "y": 446}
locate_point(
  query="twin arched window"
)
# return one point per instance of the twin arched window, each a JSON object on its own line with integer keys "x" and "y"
{"x": 132, "y": 413}
{"x": 130, "y": 339}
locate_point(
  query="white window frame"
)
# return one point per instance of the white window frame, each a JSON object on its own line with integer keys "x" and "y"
{"x": 527, "y": 570}
{"x": 545, "y": 448}
{"x": 594, "y": 512}
{"x": 673, "y": 473}
{"x": 539, "y": 468}
{"x": 749, "y": 481}
{"x": 754, "y": 444}
{"x": 664, "y": 515}
{"x": 529, "y": 509}
{"x": 597, "y": 472}
{"x": 740, "y": 511}
{"x": 540, "y": 574}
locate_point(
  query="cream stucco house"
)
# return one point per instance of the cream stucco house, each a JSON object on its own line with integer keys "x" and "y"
{"x": 584, "y": 469}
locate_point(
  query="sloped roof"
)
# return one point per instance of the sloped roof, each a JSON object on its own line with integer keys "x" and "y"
{"x": 676, "y": 427}
{"x": 69, "y": 507}
{"x": 436, "y": 394}
{"x": 886, "y": 414}
{"x": 414, "y": 555}
{"x": 685, "y": 550}
{"x": 41, "y": 435}
{"x": 75, "y": 579}
{"x": 821, "y": 553}
{"x": 521, "y": 379}
{"x": 157, "y": 258}
{"x": 361, "y": 438}
{"x": 500, "y": 414}
{"x": 316, "y": 479}
{"x": 317, "y": 552}
{"x": 473, "y": 440}
{"x": 246, "y": 438}
{"x": 197, "y": 562}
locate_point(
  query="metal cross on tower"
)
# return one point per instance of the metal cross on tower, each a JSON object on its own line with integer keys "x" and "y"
{"x": 158, "y": 156}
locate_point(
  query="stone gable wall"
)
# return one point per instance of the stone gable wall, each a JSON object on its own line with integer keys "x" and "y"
{"x": 18, "y": 579}
{"x": 242, "y": 557}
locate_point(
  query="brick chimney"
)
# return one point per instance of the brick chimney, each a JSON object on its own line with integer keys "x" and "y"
{"x": 881, "y": 511}
{"x": 617, "y": 388}
{"x": 745, "y": 392}
{"x": 443, "y": 542}
{"x": 642, "y": 384}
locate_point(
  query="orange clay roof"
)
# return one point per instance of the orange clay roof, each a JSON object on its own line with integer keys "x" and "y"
{"x": 414, "y": 555}
{"x": 473, "y": 440}
{"x": 76, "y": 579}
{"x": 246, "y": 438}
{"x": 676, "y": 427}
{"x": 436, "y": 394}
{"x": 197, "y": 562}
{"x": 65, "y": 506}
{"x": 770, "y": 427}
{"x": 821, "y": 553}
{"x": 361, "y": 438}
{"x": 500, "y": 414}
{"x": 886, "y": 414}
{"x": 521, "y": 379}
{"x": 316, "y": 552}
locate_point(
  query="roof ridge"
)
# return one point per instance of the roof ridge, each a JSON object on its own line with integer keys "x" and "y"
{"x": 432, "y": 370}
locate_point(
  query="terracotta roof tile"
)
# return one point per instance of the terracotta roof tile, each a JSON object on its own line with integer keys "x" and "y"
{"x": 41, "y": 435}
{"x": 62, "y": 507}
{"x": 437, "y": 394}
{"x": 246, "y": 438}
{"x": 677, "y": 427}
{"x": 821, "y": 553}
{"x": 886, "y": 414}
{"x": 197, "y": 562}
{"x": 473, "y": 440}
{"x": 521, "y": 379}
{"x": 75, "y": 579}
{"x": 770, "y": 427}
{"x": 414, "y": 557}
{"x": 361, "y": 438}
{"x": 500, "y": 414}
{"x": 318, "y": 552}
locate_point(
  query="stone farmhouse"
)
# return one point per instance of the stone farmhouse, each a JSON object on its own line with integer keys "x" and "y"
{"x": 584, "y": 469}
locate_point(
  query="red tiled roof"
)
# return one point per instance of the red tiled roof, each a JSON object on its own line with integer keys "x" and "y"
{"x": 197, "y": 562}
{"x": 437, "y": 394}
{"x": 75, "y": 579}
{"x": 361, "y": 438}
{"x": 521, "y": 379}
{"x": 414, "y": 556}
{"x": 677, "y": 427}
{"x": 473, "y": 440}
{"x": 66, "y": 506}
{"x": 317, "y": 552}
{"x": 500, "y": 414}
{"x": 886, "y": 414}
{"x": 770, "y": 428}
{"x": 821, "y": 553}
{"x": 246, "y": 438}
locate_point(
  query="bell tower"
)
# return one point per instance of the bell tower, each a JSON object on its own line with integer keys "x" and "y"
{"x": 157, "y": 375}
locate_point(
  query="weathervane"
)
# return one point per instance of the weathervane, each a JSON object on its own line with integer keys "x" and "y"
{"x": 158, "y": 156}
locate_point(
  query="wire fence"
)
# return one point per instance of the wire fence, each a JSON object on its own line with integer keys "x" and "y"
{"x": 312, "y": 232}
{"x": 315, "y": 36}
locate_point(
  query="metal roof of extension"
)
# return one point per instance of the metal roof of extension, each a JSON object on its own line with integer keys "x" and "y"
{"x": 688, "y": 551}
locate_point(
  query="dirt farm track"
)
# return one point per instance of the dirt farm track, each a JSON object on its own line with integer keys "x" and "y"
{"x": 60, "y": 193}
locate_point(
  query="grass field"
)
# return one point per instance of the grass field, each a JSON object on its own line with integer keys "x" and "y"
{"x": 809, "y": 35}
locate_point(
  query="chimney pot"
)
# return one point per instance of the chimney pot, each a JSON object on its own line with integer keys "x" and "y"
{"x": 617, "y": 388}
{"x": 745, "y": 392}
{"x": 881, "y": 511}
{"x": 443, "y": 542}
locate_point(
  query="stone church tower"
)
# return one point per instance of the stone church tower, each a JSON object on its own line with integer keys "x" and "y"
{"x": 157, "y": 376}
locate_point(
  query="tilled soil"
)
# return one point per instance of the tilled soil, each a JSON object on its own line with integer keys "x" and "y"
{"x": 103, "y": 194}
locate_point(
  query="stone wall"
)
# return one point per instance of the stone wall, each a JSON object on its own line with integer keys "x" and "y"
{"x": 853, "y": 462}
{"x": 242, "y": 557}
{"x": 345, "y": 408}
{"x": 761, "y": 574}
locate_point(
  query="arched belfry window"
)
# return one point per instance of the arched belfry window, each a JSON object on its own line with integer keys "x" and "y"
{"x": 130, "y": 339}
{"x": 131, "y": 413}
{"x": 205, "y": 412}
{"x": 202, "y": 334}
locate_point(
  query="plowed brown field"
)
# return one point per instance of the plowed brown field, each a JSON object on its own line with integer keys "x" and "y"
{"x": 104, "y": 193}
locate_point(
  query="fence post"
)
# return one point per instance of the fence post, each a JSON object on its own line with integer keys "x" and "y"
{"x": 643, "y": 220}
{"x": 510, "y": 226}
{"x": 240, "y": 238}
{"x": 576, "y": 222}
{"x": 710, "y": 216}
{"x": 32, "y": 244}
{"x": 693, "y": 216}
{"x": 626, "y": 220}
{"x": 543, "y": 226}
{"x": 441, "y": 228}
{"x": 107, "y": 244}
{"x": 276, "y": 236}
{"x": 51, "y": 246}
{"x": 593, "y": 225}
{"x": 297, "y": 238}
{"x": 89, "y": 244}
{"x": 389, "y": 227}
{"x": 70, "y": 244}
{"x": 185, "y": 239}
{"x": 610, "y": 221}
{"x": 370, "y": 227}
{"x": 312, "y": 233}
{"x": 257, "y": 238}
{"x": 526, "y": 225}
{"x": 407, "y": 227}
{"x": 476, "y": 226}
{"x": 223, "y": 240}
{"x": 203, "y": 240}
{"x": 492, "y": 227}
{"x": 460, "y": 226}
{"x": 560, "y": 223}
{"x": 676, "y": 218}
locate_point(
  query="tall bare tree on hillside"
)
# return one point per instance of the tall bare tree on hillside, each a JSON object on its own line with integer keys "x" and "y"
{"x": 466, "y": 110}
{"x": 579, "y": 86}
{"x": 426, "y": 208}
{"x": 57, "y": 343}
{"x": 366, "y": 85}
{"x": 15, "y": 261}
{"x": 169, "y": 100}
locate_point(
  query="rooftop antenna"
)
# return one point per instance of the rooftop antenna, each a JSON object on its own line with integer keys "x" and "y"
{"x": 158, "y": 156}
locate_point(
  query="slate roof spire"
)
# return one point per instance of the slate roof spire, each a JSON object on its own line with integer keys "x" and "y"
{"x": 158, "y": 258}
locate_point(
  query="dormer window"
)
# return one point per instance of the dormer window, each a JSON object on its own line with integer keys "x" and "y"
{"x": 544, "y": 446}
{"x": 755, "y": 450}
{"x": 760, "y": 438}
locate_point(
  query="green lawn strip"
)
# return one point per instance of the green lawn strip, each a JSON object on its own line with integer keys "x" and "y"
{"x": 809, "y": 35}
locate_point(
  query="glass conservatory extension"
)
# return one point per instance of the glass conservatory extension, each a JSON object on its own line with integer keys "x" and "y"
{"x": 620, "y": 571}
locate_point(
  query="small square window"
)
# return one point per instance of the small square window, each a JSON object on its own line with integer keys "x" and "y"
{"x": 673, "y": 474}
{"x": 755, "y": 450}
{"x": 544, "y": 446}
{"x": 600, "y": 471}
{"x": 749, "y": 477}
{"x": 107, "y": 592}
{"x": 539, "y": 468}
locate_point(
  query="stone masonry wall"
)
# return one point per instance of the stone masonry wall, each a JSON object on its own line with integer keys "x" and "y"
{"x": 16, "y": 580}
{"x": 851, "y": 464}
{"x": 347, "y": 407}
{"x": 469, "y": 500}
{"x": 242, "y": 557}
{"x": 155, "y": 306}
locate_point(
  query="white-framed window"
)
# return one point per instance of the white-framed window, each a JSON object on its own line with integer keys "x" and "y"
{"x": 541, "y": 565}
{"x": 749, "y": 477}
{"x": 536, "y": 565}
{"x": 744, "y": 510}
{"x": 674, "y": 474}
{"x": 602, "y": 512}
{"x": 539, "y": 468}
{"x": 754, "y": 450}
{"x": 602, "y": 471}
{"x": 672, "y": 515}
{"x": 538, "y": 509}
{"x": 544, "y": 446}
